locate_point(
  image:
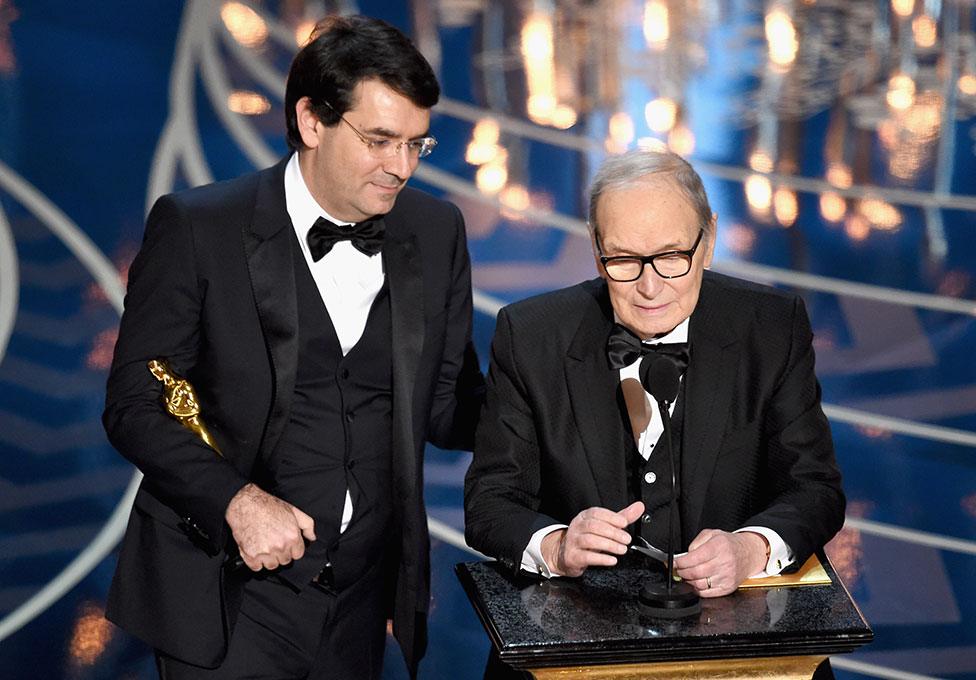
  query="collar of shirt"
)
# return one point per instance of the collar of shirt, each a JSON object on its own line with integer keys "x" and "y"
{"x": 302, "y": 207}
{"x": 347, "y": 280}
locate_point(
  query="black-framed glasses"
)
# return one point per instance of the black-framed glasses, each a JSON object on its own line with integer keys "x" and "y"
{"x": 387, "y": 148}
{"x": 671, "y": 264}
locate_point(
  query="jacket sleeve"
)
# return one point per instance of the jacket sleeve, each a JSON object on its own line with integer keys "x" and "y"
{"x": 806, "y": 502}
{"x": 460, "y": 386}
{"x": 162, "y": 319}
{"x": 502, "y": 488}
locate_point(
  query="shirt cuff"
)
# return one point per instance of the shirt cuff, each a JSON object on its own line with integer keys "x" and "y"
{"x": 780, "y": 555}
{"x": 532, "y": 560}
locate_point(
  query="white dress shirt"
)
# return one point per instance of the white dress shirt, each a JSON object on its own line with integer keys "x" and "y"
{"x": 780, "y": 556}
{"x": 347, "y": 279}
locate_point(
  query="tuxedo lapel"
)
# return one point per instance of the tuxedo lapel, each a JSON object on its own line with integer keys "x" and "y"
{"x": 402, "y": 263}
{"x": 268, "y": 252}
{"x": 708, "y": 396}
{"x": 594, "y": 394}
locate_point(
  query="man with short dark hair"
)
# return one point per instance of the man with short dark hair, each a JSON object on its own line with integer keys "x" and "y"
{"x": 322, "y": 312}
{"x": 569, "y": 464}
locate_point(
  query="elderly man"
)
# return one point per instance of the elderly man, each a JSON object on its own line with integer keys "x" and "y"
{"x": 568, "y": 464}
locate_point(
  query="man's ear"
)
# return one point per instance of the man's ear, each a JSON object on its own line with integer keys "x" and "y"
{"x": 710, "y": 237}
{"x": 308, "y": 122}
{"x": 596, "y": 252}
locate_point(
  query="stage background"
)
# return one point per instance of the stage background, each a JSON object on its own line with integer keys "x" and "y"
{"x": 835, "y": 138}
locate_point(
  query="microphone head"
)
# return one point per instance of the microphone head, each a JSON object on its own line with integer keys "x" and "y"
{"x": 660, "y": 377}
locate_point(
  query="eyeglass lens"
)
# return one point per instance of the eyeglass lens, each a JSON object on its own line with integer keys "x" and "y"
{"x": 630, "y": 268}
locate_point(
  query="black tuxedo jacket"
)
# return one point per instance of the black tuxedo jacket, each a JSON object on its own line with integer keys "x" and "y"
{"x": 553, "y": 435}
{"x": 212, "y": 290}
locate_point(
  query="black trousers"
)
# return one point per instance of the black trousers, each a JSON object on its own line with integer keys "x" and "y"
{"x": 309, "y": 635}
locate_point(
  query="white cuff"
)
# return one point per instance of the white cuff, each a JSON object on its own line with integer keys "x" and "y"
{"x": 780, "y": 555}
{"x": 532, "y": 560}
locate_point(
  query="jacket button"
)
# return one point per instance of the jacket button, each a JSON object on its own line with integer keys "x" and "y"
{"x": 344, "y": 374}
{"x": 646, "y": 519}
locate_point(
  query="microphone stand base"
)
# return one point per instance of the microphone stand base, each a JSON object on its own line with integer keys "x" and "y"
{"x": 655, "y": 600}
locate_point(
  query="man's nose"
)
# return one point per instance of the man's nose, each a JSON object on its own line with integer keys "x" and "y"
{"x": 650, "y": 282}
{"x": 401, "y": 163}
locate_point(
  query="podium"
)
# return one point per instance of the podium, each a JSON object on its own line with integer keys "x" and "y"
{"x": 593, "y": 627}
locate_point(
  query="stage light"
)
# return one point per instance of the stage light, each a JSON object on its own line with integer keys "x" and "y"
{"x": 832, "y": 206}
{"x": 564, "y": 117}
{"x": 657, "y": 28}
{"x": 246, "y": 25}
{"x": 621, "y": 128}
{"x": 901, "y": 91}
{"x": 759, "y": 192}
{"x": 925, "y": 31}
{"x": 781, "y": 38}
{"x": 880, "y": 214}
{"x": 248, "y": 103}
{"x": 903, "y": 8}
{"x": 661, "y": 114}
{"x": 760, "y": 161}
{"x": 491, "y": 177}
{"x": 681, "y": 140}
{"x": 839, "y": 174}
{"x": 785, "y": 206}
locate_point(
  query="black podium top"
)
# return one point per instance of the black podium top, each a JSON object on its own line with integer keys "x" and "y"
{"x": 596, "y": 619}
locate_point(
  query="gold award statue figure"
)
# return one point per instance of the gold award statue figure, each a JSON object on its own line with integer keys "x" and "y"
{"x": 181, "y": 401}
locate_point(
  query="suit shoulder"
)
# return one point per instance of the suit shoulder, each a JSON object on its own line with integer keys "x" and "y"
{"x": 216, "y": 196}
{"x": 437, "y": 224}
{"x": 558, "y": 304}
{"x": 752, "y": 308}
{"x": 412, "y": 201}
{"x": 743, "y": 292}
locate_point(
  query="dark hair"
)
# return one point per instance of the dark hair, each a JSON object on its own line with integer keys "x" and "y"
{"x": 342, "y": 52}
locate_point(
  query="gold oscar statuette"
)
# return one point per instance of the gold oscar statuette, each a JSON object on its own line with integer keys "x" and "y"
{"x": 181, "y": 401}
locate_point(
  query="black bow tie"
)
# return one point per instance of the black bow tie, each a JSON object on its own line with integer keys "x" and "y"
{"x": 624, "y": 348}
{"x": 366, "y": 237}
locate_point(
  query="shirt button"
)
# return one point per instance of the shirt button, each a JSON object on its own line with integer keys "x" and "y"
{"x": 650, "y": 478}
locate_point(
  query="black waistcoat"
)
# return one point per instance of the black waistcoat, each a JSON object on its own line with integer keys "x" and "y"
{"x": 650, "y": 482}
{"x": 338, "y": 437}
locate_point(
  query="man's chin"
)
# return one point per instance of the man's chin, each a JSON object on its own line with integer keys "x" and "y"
{"x": 383, "y": 206}
{"x": 646, "y": 331}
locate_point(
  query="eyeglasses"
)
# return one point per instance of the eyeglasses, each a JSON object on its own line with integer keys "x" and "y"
{"x": 387, "y": 148}
{"x": 672, "y": 264}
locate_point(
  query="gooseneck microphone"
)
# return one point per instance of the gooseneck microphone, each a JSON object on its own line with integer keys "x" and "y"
{"x": 661, "y": 377}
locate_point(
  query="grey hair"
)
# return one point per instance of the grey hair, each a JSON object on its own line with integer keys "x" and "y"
{"x": 630, "y": 169}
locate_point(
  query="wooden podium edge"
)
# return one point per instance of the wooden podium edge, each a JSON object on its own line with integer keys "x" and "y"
{"x": 756, "y": 668}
